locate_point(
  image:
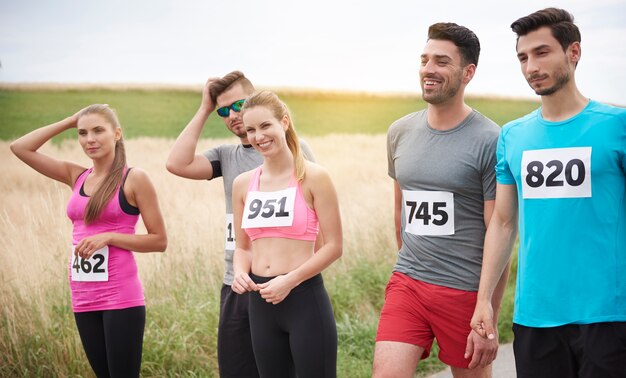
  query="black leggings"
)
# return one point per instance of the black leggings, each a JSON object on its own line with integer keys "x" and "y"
{"x": 297, "y": 336}
{"x": 113, "y": 340}
{"x": 234, "y": 344}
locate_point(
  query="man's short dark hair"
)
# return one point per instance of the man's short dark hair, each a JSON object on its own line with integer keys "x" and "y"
{"x": 222, "y": 85}
{"x": 560, "y": 22}
{"x": 462, "y": 37}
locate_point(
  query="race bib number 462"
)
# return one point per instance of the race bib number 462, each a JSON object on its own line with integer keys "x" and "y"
{"x": 93, "y": 269}
{"x": 428, "y": 212}
{"x": 556, "y": 173}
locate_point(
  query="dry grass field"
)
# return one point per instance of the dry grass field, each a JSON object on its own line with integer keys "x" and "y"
{"x": 38, "y": 336}
{"x": 346, "y": 131}
{"x": 36, "y": 234}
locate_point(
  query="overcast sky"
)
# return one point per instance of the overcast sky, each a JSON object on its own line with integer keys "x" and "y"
{"x": 329, "y": 44}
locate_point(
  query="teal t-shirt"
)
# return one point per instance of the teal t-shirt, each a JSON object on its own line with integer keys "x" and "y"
{"x": 571, "y": 186}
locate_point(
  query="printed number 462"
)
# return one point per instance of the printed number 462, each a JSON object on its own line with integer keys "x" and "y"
{"x": 422, "y": 212}
{"x": 85, "y": 265}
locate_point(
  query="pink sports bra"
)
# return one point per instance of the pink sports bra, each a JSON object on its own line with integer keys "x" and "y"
{"x": 305, "y": 225}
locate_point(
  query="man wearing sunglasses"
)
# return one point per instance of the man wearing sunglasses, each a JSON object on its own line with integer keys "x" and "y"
{"x": 442, "y": 160}
{"x": 226, "y": 96}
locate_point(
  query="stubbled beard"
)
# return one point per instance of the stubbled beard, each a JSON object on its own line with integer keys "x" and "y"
{"x": 446, "y": 92}
{"x": 561, "y": 78}
{"x": 241, "y": 133}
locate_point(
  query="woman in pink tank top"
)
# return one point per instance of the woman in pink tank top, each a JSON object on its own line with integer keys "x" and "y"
{"x": 281, "y": 211}
{"x": 107, "y": 296}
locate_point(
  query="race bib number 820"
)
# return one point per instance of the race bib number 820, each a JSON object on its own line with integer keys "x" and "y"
{"x": 556, "y": 173}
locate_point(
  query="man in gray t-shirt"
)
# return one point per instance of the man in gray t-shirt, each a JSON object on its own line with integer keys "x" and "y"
{"x": 446, "y": 176}
{"x": 442, "y": 160}
{"x": 225, "y": 95}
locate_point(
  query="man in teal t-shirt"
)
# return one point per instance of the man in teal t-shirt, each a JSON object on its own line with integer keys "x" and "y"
{"x": 562, "y": 170}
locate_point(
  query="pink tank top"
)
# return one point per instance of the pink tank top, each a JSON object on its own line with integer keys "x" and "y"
{"x": 109, "y": 279}
{"x": 266, "y": 214}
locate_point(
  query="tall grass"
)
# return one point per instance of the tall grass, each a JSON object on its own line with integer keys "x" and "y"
{"x": 37, "y": 332}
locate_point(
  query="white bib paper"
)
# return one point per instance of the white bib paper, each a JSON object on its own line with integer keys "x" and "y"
{"x": 428, "y": 212}
{"x": 229, "y": 239}
{"x": 269, "y": 209}
{"x": 94, "y": 269}
{"x": 556, "y": 173}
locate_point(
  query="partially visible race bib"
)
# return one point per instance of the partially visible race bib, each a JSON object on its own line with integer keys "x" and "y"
{"x": 229, "y": 239}
{"x": 94, "y": 269}
{"x": 269, "y": 209}
{"x": 556, "y": 173}
{"x": 428, "y": 212}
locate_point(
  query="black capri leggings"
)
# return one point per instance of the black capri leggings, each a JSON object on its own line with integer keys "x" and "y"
{"x": 113, "y": 340}
{"x": 297, "y": 336}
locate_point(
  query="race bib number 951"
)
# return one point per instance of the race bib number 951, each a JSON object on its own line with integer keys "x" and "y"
{"x": 269, "y": 209}
{"x": 556, "y": 173}
{"x": 93, "y": 269}
{"x": 428, "y": 212}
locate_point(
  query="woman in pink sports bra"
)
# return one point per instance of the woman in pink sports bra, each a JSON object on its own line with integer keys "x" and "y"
{"x": 279, "y": 209}
{"x": 106, "y": 201}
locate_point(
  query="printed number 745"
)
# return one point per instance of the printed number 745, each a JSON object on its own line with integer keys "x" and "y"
{"x": 422, "y": 212}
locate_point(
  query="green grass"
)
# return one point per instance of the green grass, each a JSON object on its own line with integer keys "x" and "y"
{"x": 164, "y": 113}
{"x": 182, "y": 313}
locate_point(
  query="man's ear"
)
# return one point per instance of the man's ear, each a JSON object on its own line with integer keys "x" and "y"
{"x": 574, "y": 51}
{"x": 468, "y": 73}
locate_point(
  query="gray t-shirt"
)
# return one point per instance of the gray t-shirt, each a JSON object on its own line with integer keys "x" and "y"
{"x": 445, "y": 177}
{"x": 229, "y": 161}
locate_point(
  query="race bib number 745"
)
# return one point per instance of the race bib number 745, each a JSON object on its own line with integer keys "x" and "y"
{"x": 428, "y": 212}
{"x": 556, "y": 173}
